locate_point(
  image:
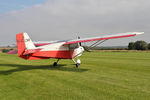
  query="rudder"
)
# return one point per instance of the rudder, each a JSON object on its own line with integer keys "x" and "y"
{"x": 24, "y": 43}
{"x": 20, "y": 43}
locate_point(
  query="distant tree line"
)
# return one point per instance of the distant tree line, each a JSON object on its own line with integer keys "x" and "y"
{"x": 6, "y": 50}
{"x": 139, "y": 45}
{"x": 87, "y": 48}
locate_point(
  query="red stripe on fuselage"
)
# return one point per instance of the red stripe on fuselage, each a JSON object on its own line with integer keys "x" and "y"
{"x": 67, "y": 54}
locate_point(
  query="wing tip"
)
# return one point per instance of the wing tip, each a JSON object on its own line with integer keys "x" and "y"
{"x": 139, "y": 33}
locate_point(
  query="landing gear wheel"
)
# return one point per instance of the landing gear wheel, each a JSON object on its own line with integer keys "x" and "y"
{"x": 55, "y": 64}
{"x": 77, "y": 65}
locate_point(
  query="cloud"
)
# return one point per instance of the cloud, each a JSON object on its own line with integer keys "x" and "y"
{"x": 66, "y": 19}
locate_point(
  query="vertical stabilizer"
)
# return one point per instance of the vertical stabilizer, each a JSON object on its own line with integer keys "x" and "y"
{"x": 28, "y": 42}
{"x": 20, "y": 43}
{"x": 24, "y": 43}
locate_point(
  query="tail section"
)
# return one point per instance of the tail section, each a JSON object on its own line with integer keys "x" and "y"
{"x": 24, "y": 43}
{"x": 28, "y": 42}
{"x": 20, "y": 43}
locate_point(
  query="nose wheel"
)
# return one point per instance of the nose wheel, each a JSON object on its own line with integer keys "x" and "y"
{"x": 77, "y": 63}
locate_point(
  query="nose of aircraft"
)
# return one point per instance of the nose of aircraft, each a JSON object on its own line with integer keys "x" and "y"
{"x": 82, "y": 49}
{"x": 79, "y": 51}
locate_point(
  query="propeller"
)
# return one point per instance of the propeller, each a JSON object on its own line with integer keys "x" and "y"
{"x": 85, "y": 48}
{"x": 79, "y": 42}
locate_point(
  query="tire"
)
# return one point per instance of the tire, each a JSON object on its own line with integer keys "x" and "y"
{"x": 55, "y": 64}
{"x": 77, "y": 65}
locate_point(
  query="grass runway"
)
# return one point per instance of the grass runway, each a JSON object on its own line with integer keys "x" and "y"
{"x": 101, "y": 76}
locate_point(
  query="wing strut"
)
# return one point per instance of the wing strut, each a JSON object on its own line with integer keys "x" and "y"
{"x": 95, "y": 44}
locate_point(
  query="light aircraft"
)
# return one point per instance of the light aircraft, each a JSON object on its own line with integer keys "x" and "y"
{"x": 68, "y": 49}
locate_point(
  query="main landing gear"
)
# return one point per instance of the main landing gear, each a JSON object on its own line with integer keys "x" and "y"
{"x": 77, "y": 63}
{"x": 55, "y": 63}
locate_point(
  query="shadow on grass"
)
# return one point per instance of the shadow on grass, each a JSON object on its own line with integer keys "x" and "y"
{"x": 34, "y": 67}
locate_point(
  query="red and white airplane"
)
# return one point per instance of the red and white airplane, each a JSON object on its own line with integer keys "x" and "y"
{"x": 68, "y": 49}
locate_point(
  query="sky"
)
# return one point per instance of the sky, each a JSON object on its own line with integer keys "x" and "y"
{"x": 46, "y": 20}
{"x": 11, "y": 5}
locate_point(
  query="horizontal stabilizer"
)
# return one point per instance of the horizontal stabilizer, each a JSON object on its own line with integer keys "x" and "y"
{"x": 30, "y": 51}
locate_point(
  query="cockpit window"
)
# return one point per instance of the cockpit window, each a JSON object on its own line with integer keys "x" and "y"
{"x": 73, "y": 46}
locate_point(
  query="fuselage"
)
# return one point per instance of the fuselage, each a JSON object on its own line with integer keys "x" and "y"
{"x": 59, "y": 51}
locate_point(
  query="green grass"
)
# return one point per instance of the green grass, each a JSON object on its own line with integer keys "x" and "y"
{"x": 102, "y": 76}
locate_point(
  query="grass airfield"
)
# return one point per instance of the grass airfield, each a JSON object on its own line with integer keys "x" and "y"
{"x": 102, "y": 76}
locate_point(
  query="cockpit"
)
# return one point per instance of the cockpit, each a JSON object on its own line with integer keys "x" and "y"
{"x": 73, "y": 46}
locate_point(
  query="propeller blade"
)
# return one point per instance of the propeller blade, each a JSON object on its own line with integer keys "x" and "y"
{"x": 79, "y": 42}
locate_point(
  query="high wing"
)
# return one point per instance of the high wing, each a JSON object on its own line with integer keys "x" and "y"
{"x": 106, "y": 37}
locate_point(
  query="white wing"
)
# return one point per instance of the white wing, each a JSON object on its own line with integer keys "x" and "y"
{"x": 121, "y": 35}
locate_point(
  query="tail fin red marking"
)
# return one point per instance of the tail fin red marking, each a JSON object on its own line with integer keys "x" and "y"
{"x": 23, "y": 52}
{"x": 20, "y": 45}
